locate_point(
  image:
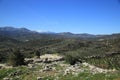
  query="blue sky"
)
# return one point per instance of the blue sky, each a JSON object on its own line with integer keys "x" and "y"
{"x": 77, "y": 16}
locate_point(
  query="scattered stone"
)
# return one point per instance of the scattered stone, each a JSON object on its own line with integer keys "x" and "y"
{"x": 54, "y": 64}
{"x": 30, "y": 65}
{"x": 47, "y": 68}
{"x": 29, "y": 60}
{"x": 17, "y": 78}
{"x": 67, "y": 71}
{"x": 4, "y": 66}
{"x": 39, "y": 78}
{"x": 37, "y": 61}
{"x": 47, "y": 60}
{"x": 7, "y": 78}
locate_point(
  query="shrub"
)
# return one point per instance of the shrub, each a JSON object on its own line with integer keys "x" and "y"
{"x": 16, "y": 58}
{"x": 71, "y": 58}
{"x": 37, "y": 53}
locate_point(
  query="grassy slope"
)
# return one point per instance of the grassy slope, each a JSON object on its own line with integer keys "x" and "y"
{"x": 32, "y": 74}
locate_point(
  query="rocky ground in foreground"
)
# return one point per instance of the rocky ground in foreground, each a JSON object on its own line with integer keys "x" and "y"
{"x": 53, "y": 67}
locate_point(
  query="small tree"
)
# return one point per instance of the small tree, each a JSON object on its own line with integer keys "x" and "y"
{"x": 37, "y": 53}
{"x": 16, "y": 58}
{"x": 71, "y": 58}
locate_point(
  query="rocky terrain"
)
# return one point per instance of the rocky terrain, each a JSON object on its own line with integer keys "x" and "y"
{"x": 52, "y": 66}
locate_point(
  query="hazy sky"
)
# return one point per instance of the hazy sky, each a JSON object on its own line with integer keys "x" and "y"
{"x": 77, "y": 16}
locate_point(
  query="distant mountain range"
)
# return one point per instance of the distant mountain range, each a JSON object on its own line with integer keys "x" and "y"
{"x": 26, "y": 34}
{"x": 84, "y": 35}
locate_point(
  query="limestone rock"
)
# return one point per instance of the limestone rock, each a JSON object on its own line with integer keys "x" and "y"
{"x": 39, "y": 78}
{"x": 7, "y": 78}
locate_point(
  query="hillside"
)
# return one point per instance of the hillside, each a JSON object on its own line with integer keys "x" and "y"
{"x": 87, "y": 54}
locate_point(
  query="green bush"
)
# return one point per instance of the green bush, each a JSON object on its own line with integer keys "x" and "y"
{"x": 71, "y": 58}
{"x": 16, "y": 58}
{"x": 37, "y": 53}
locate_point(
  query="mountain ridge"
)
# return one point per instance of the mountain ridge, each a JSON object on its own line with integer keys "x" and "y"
{"x": 26, "y": 34}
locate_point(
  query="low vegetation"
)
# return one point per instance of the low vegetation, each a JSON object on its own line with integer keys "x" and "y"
{"x": 16, "y": 58}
